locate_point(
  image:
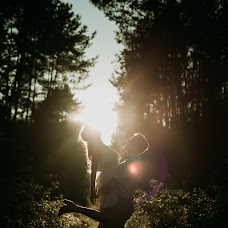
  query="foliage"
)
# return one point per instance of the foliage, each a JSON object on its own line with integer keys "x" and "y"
{"x": 167, "y": 207}
{"x": 34, "y": 205}
{"x": 42, "y": 47}
{"x": 57, "y": 151}
{"x": 56, "y": 106}
{"x": 169, "y": 67}
{"x": 42, "y": 60}
{"x": 172, "y": 80}
{"x": 41, "y": 165}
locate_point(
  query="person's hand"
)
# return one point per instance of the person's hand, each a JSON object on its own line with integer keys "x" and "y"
{"x": 93, "y": 197}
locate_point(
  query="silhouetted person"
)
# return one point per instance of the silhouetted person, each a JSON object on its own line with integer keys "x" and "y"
{"x": 116, "y": 183}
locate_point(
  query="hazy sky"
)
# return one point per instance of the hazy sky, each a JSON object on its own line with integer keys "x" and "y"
{"x": 104, "y": 45}
{"x": 99, "y": 99}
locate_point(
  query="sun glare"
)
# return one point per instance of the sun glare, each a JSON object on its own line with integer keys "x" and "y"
{"x": 98, "y": 112}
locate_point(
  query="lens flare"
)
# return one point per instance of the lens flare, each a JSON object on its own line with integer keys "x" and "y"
{"x": 132, "y": 168}
{"x": 135, "y": 168}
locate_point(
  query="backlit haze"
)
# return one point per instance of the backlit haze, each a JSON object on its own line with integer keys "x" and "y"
{"x": 98, "y": 100}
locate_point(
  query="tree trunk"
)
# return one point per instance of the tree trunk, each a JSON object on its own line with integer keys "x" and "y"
{"x": 8, "y": 99}
{"x": 34, "y": 94}
{"x": 18, "y": 83}
{"x": 28, "y": 99}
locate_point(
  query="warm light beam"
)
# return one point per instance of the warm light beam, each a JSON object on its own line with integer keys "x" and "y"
{"x": 98, "y": 112}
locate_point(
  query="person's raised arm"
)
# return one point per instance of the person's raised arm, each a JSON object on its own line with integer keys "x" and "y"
{"x": 93, "y": 179}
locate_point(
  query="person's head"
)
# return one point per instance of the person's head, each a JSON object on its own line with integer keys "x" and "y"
{"x": 90, "y": 134}
{"x": 90, "y": 137}
{"x": 136, "y": 145}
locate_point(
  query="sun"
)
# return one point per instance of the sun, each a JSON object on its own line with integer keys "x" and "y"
{"x": 98, "y": 111}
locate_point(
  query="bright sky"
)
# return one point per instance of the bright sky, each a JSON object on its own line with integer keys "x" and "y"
{"x": 100, "y": 97}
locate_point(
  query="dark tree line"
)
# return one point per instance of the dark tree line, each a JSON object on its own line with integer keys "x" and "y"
{"x": 175, "y": 56}
{"x": 42, "y": 50}
{"x": 172, "y": 78}
{"x": 42, "y": 63}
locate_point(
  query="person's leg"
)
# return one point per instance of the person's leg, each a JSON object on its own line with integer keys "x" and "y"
{"x": 105, "y": 216}
{"x": 100, "y": 216}
{"x": 72, "y": 207}
{"x": 108, "y": 218}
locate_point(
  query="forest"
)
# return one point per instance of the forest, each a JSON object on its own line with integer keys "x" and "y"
{"x": 172, "y": 80}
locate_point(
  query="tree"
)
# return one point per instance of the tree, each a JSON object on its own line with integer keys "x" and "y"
{"x": 42, "y": 61}
{"x": 169, "y": 52}
{"x": 172, "y": 75}
{"x": 43, "y": 44}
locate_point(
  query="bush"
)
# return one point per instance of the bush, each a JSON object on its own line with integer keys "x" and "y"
{"x": 33, "y": 205}
{"x": 164, "y": 207}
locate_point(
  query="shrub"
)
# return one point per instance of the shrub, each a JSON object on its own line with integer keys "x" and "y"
{"x": 33, "y": 205}
{"x": 177, "y": 208}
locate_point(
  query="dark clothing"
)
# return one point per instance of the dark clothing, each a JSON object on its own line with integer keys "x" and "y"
{"x": 113, "y": 224}
{"x": 119, "y": 215}
{"x": 128, "y": 176}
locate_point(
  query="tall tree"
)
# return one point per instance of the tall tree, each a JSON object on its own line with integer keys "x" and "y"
{"x": 172, "y": 73}
{"x": 43, "y": 44}
{"x": 173, "y": 50}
